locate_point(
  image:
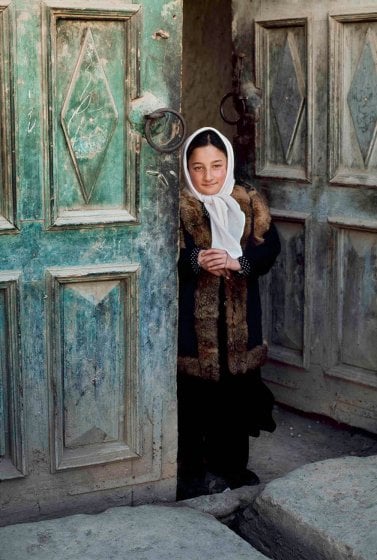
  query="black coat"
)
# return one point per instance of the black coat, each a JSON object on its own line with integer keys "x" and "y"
{"x": 220, "y": 321}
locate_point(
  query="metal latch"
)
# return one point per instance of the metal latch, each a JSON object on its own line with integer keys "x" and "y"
{"x": 246, "y": 97}
{"x": 165, "y": 130}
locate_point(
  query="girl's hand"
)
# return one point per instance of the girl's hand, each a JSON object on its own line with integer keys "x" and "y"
{"x": 218, "y": 262}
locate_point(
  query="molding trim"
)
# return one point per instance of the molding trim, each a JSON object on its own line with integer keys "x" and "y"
{"x": 8, "y": 198}
{"x": 93, "y": 283}
{"x": 13, "y": 458}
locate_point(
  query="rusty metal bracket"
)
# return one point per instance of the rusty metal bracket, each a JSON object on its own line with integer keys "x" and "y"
{"x": 239, "y": 100}
{"x": 177, "y": 130}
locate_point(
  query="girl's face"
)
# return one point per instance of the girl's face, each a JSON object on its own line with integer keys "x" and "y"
{"x": 207, "y": 167}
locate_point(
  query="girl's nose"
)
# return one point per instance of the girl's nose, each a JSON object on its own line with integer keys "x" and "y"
{"x": 208, "y": 174}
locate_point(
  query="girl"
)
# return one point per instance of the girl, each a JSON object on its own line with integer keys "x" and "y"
{"x": 227, "y": 241}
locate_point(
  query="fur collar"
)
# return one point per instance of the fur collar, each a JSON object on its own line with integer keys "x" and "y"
{"x": 252, "y": 203}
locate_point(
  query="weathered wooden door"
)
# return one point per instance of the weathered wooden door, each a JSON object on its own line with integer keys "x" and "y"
{"x": 314, "y": 155}
{"x": 87, "y": 255}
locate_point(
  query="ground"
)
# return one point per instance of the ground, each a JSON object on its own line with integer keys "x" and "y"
{"x": 300, "y": 439}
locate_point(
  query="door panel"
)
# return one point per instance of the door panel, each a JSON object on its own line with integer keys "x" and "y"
{"x": 92, "y": 76}
{"x": 93, "y": 365}
{"x": 354, "y": 355}
{"x": 288, "y": 328}
{"x": 283, "y": 69}
{"x": 313, "y": 155}
{"x": 87, "y": 257}
{"x": 353, "y": 94}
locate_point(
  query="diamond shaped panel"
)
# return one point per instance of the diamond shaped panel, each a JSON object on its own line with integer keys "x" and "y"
{"x": 89, "y": 116}
{"x": 287, "y": 97}
{"x": 362, "y": 98}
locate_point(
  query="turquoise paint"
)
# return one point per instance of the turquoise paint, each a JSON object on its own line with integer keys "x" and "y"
{"x": 91, "y": 95}
{"x": 91, "y": 335}
{"x": 93, "y": 361}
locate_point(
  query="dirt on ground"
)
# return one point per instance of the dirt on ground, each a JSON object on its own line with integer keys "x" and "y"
{"x": 300, "y": 439}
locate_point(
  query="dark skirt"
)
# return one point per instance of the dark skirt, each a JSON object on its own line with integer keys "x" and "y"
{"x": 215, "y": 420}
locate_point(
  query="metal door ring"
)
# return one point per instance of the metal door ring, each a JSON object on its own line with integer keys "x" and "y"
{"x": 238, "y": 104}
{"x": 169, "y": 147}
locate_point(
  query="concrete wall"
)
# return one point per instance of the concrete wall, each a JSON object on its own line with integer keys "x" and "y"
{"x": 207, "y": 65}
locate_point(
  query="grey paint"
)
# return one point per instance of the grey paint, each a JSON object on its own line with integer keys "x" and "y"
{"x": 313, "y": 154}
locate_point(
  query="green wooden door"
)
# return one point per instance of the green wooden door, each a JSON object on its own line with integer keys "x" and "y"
{"x": 87, "y": 255}
{"x": 314, "y": 155}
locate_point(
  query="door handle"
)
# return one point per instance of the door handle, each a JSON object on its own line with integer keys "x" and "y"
{"x": 167, "y": 124}
{"x": 239, "y": 107}
{"x": 246, "y": 97}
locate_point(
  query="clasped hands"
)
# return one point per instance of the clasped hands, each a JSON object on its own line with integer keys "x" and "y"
{"x": 218, "y": 262}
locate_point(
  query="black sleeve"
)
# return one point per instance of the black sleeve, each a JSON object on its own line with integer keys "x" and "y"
{"x": 188, "y": 258}
{"x": 262, "y": 257}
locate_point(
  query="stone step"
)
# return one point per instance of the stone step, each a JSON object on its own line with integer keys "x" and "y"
{"x": 127, "y": 533}
{"x": 322, "y": 511}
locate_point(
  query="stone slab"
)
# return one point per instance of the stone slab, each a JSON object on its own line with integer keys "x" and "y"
{"x": 126, "y": 533}
{"x": 323, "y": 511}
{"x": 225, "y": 504}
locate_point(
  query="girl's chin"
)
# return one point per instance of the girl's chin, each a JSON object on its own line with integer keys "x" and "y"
{"x": 209, "y": 190}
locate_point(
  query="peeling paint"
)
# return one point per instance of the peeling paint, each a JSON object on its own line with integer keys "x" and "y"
{"x": 161, "y": 34}
{"x": 171, "y": 9}
{"x": 141, "y": 107}
{"x": 112, "y": 356}
{"x": 159, "y": 176}
{"x": 24, "y": 16}
{"x": 32, "y": 121}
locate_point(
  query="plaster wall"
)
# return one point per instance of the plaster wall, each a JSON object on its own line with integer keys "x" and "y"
{"x": 207, "y": 64}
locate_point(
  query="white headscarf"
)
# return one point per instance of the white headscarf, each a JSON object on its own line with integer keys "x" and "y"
{"x": 226, "y": 217}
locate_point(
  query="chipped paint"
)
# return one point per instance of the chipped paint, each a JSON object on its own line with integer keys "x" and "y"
{"x": 322, "y": 342}
{"x": 160, "y": 176}
{"x": 142, "y": 106}
{"x": 161, "y": 34}
{"x": 31, "y": 122}
{"x": 171, "y": 9}
{"x": 90, "y": 271}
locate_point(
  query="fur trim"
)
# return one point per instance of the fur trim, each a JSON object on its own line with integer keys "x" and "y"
{"x": 240, "y": 359}
{"x": 194, "y": 220}
{"x": 239, "y": 363}
{"x": 262, "y": 217}
{"x": 206, "y": 324}
{"x": 191, "y": 366}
